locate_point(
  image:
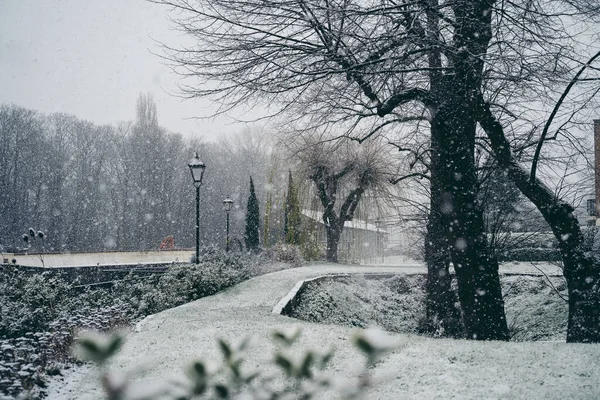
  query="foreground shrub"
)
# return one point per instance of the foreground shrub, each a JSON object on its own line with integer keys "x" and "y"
{"x": 302, "y": 371}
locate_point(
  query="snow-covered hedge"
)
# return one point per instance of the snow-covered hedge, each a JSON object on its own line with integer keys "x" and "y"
{"x": 40, "y": 314}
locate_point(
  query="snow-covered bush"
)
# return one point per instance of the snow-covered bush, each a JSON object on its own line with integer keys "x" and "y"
{"x": 41, "y": 313}
{"x": 395, "y": 304}
{"x": 287, "y": 253}
{"x": 311, "y": 248}
{"x": 183, "y": 283}
{"x": 25, "y": 360}
{"x": 28, "y": 302}
{"x": 536, "y": 306}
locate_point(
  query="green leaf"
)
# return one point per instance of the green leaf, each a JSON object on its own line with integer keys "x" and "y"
{"x": 286, "y": 338}
{"x": 199, "y": 369}
{"x": 91, "y": 346}
{"x": 251, "y": 377}
{"x": 284, "y": 363}
{"x": 364, "y": 345}
{"x": 98, "y": 349}
{"x": 113, "y": 346}
{"x": 198, "y": 376}
{"x": 243, "y": 344}
{"x": 234, "y": 366}
{"x": 222, "y": 391}
{"x": 225, "y": 349}
{"x": 280, "y": 337}
{"x": 325, "y": 358}
{"x": 304, "y": 370}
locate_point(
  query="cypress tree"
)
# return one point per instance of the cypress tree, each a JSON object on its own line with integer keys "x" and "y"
{"x": 291, "y": 226}
{"x": 267, "y": 223}
{"x": 252, "y": 220}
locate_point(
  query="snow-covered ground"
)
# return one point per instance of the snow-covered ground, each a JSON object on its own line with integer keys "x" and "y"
{"x": 511, "y": 267}
{"x": 422, "y": 368}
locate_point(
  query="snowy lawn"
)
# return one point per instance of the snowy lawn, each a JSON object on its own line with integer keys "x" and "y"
{"x": 422, "y": 368}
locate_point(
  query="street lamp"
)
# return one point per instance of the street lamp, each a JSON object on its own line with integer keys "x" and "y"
{"x": 227, "y": 204}
{"x": 197, "y": 168}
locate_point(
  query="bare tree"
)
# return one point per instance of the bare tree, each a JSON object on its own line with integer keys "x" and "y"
{"x": 342, "y": 173}
{"x": 378, "y": 64}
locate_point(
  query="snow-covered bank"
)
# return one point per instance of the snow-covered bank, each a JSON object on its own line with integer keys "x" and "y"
{"x": 535, "y": 306}
{"x": 422, "y": 368}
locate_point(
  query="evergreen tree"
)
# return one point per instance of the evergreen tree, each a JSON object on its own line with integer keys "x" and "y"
{"x": 269, "y": 209}
{"x": 267, "y": 223}
{"x": 292, "y": 214}
{"x": 252, "y": 220}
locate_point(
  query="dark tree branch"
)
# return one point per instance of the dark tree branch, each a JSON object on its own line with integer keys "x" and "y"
{"x": 394, "y": 181}
{"x": 538, "y": 149}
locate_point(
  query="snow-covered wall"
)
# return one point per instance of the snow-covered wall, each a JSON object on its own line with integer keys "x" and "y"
{"x": 107, "y": 258}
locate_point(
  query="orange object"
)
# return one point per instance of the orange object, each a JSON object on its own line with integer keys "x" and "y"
{"x": 167, "y": 243}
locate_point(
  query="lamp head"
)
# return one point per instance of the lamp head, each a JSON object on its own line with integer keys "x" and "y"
{"x": 197, "y": 168}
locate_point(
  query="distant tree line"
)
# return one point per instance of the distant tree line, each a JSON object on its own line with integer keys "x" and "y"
{"x": 123, "y": 187}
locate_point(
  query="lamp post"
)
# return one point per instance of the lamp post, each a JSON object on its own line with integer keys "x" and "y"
{"x": 197, "y": 168}
{"x": 227, "y": 204}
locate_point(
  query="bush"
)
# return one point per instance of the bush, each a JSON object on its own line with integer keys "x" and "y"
{"x": 29, "y": 302}
{"x": 395, "y": 304}
{"x": 41, "y": 313}
{"x": 287, "y": 253}
{"x": 181, "y": 284}
{"x": 311, "y": 248}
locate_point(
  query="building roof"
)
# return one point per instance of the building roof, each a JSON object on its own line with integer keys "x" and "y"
{"x": 354, "y": 224}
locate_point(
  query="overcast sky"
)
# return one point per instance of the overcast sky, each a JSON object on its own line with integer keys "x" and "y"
{"x": 92, "y": 59}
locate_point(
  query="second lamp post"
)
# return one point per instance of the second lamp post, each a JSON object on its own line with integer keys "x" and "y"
{"x": 197, "y": 167}
{"x": 227, "y": 204}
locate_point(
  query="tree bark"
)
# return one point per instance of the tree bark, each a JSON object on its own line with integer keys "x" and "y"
{"x": 479, "y": 290}
{"x": 581, "y": 270}
{"x": 454, "y": 208}
{"x": 333, "y": 239}
{"x": 441, "y": 314}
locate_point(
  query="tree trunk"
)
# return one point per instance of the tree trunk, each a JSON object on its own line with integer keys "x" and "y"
{"x": 333, "y": 239}
{"x": 454, "y": 182}
{"x": 581, "y": 270}
{"x": 461, "y": 217}
{"x": 441, "y": 314}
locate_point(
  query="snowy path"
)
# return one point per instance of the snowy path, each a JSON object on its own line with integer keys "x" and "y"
{"x": 422, "y": 368}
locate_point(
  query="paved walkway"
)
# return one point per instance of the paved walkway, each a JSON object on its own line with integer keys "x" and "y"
{"x": 423, "y": 368}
